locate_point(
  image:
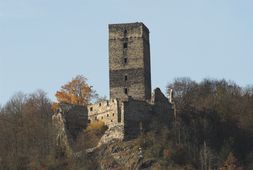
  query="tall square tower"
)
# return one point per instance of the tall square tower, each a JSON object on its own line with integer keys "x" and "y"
{"x": 129, "y": 61}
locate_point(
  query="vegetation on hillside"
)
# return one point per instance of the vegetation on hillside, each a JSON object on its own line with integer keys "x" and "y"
{"x": 93, "y": 132}
{"x": 213, "y": 129}
{"x": 27, "y": 138}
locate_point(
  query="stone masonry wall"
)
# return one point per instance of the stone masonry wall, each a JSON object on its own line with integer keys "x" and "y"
{"x": 137, "y": 115}
{"x": 129, "y": 61}
{"x": 126, "y": 119}
{"x": 76, "y": 118}
{"x": 107, "y": 111}
{"x": 162, "y": 107}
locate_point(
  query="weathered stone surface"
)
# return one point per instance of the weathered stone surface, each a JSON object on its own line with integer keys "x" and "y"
{"x": 76, "y": 118}
{"x": 137, "y": 115}
{"x": 69, "y": 121}
{"x": 113, "y": 133}
{"x": 108, "y": 112}
{"x": 123, "y": 155}
{"x": 63, "y": 137}
{"x": 162, "y": 107}
{"x": 129, "y": 56}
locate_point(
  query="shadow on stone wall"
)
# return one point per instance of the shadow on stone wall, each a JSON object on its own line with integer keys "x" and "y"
{"x": 76, "y": 118}
{"x": 139, "y": 114}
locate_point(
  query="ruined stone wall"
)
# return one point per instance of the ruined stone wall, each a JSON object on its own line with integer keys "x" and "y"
{"x": 162, "y": 107}
{"x": 137, "y": 115}
{"x": 129, "y": 61}
{"x": 69, "y": 121}
{"x": 108, "y": 112}
{"x": 76, "y": 118}
{"x": 126, "y": 119}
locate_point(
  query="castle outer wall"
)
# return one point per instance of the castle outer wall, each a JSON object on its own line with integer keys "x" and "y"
{"x": 133, "y": 115}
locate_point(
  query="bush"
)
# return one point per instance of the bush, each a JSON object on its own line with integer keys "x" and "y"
{"x": 90, "y": 136}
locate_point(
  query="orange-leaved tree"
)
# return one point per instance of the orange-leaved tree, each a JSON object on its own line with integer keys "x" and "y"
{"x": 76, "y": 92}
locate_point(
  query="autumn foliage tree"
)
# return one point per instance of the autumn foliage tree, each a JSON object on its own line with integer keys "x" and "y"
{"x": 76, "y": 92}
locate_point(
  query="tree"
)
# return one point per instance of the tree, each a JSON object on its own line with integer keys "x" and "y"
{"x": 77, "y": 92}
{"x": 26, "y": 132}
{"x": 217, "y": 112}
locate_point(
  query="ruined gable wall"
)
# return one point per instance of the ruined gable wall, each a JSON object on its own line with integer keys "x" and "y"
{"x": 107, "y": 111}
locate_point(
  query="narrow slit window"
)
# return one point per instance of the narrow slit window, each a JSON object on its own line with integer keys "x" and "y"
{"x": 126, "y": 77}
{"x": 91, "y": 109}
{"x": 125, "y": 45}
{"x": 125, "y": 34}
{"x": 125, "y": 90}
{"x": 125, "y": 60}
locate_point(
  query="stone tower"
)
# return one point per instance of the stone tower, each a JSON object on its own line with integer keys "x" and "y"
{"x": 129, "y": 61}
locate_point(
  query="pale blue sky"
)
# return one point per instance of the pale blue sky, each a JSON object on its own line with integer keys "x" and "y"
{"x": 44, "y": 43}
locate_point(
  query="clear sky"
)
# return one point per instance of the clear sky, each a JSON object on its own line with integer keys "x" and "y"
{"x": 44, "y": 43}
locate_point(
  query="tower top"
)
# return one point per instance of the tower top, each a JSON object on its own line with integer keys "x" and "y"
{"x": 129, "y": 25}
{"x": 128, "y": 30}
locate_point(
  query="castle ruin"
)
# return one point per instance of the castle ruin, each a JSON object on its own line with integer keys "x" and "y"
{"x": 131, "y": 105}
